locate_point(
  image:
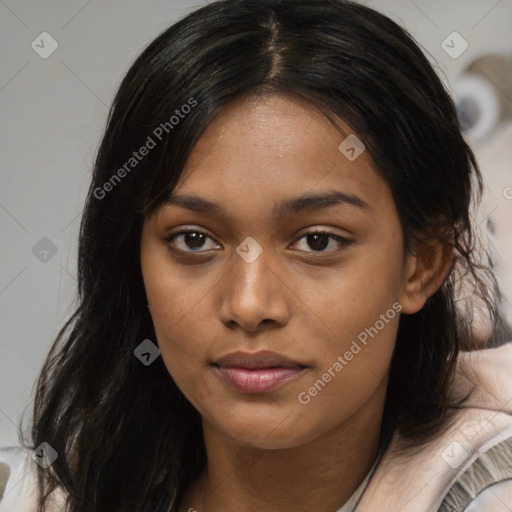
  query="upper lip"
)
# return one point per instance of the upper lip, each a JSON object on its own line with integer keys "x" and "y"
{"x": 256, "y": 360}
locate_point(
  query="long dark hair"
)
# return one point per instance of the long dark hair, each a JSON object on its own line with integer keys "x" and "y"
{"x": 126, "y": 437}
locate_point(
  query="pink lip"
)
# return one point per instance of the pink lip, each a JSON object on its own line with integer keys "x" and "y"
{"x": 257, "y": 381}
{"x": 257, "y": 372}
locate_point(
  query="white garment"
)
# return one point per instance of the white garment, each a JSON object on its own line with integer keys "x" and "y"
{"x": 497, "y": 498}
{"x": 20, "y": 491}
{"x": 350, "y": 505}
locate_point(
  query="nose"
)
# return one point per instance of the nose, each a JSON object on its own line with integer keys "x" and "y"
{"x": 254, "y": 296}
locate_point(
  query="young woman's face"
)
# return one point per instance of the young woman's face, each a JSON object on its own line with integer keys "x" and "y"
{"x": 246, "y": 277}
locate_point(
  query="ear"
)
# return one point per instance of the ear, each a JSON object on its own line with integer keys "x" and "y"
{"x": 425, "y": 270}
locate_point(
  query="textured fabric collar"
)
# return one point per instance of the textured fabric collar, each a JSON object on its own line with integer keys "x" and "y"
{"x": 416, "y": 480}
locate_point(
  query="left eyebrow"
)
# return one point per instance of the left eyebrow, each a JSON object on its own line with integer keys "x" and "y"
{"x": 292, "y": 206}
{"x": 311, "y": 202}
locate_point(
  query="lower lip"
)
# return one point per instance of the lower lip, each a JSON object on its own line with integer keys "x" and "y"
{"x": 257, "y": 381}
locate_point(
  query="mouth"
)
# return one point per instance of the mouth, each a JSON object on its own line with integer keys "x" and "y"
{"x": 259, "y": 372}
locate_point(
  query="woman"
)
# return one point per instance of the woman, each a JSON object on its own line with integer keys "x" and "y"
{"x": 271, "y": 255}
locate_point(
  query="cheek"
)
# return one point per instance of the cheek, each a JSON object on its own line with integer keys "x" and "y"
{"x": 354, "y": 359}
{"x": 176, "y": 302}
{"x": 183, "y": 345}
{"x": 178, "y": 294}
{"x": 181, "y": 331}
{"x": 354, "y": 297}
{"x": 376, "y": 278}
{"x": 362, "y": 312}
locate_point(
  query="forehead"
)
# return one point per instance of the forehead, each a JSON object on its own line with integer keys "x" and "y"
{"x": 264, "y": 147}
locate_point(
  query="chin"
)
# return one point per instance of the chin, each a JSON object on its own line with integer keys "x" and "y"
{"x": 267, "y": 433}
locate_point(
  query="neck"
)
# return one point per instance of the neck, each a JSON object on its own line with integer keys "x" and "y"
{"x": 319, "y": 475}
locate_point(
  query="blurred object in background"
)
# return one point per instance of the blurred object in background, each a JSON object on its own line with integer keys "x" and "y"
{"x": 483, "y": 95}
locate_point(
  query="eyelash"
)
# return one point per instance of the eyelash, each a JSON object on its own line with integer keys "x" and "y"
{"x": 341, "y": 240}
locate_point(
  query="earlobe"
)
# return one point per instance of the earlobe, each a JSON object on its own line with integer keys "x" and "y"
{"x": 424, "y": 274}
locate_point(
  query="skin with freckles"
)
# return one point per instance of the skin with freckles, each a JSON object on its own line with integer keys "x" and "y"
{"x": 305, "y": 297}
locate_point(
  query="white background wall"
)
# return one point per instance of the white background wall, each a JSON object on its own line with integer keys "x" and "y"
{"x": 52, "y": 114}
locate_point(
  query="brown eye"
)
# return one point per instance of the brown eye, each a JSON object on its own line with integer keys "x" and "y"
{"x": 318, "y": 241}
{"x": 190, "y": 241}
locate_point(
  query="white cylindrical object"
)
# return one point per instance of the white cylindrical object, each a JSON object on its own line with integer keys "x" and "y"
{"x": 478, "y": 104}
